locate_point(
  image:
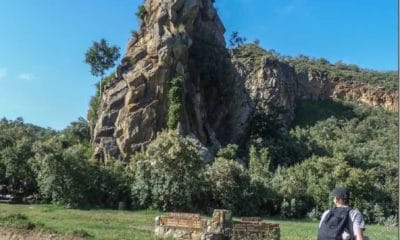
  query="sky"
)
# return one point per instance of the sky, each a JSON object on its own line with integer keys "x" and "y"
{"x": 44, "y": 79}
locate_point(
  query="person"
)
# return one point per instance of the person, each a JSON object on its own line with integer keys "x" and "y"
{"x": 346, "y": 221}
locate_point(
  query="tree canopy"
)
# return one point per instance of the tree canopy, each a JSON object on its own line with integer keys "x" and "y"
{"x": 100, "y": 56}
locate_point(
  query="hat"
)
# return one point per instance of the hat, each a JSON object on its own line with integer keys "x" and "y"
{"x": 341, "y": 192}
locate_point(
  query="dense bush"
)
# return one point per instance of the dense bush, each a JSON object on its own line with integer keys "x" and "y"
{"x": 348, "y": 147}
{"x": 16, "y": 140}
{"x": 62, "y": 172}
{"x": 168, "y": 175}
{"x": 229, "y": 183}
{"x": 286, "y": 173}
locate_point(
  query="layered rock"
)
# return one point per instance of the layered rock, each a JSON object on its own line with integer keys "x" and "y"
{"x": 371, "y": 95}
{"x": 274, "y": 86}
{"x": 177, "y": 38}
{"x": 221, "y": 91}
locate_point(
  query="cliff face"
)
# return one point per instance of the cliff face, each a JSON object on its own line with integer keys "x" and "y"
{"x": 373, "y": 96}
{"x": 177, "y": 38}
{"x": 221, "y": 91}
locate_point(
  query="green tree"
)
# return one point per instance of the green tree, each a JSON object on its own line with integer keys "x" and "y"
{"x": 16, "y": 140}
{"x": 100, "y": 56}
{"x": 229, "y": 182}
{"x": 61, "y": 172}
{"x": 236, "y": 40}
{"x": 168, "y": 175}
{"x": 259, "y": 162}
{"x": 78, "y": 131}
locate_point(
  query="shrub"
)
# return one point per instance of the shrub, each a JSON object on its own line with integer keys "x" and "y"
{"x": 259, "y": 162}
{"x": 16, "y": 140}
{"x": 391, "y": 222}
{"x": 175, "y": 98}
{"x": 141, "y": 12}
{"x": 62, "y": 172}
{"x": 168, "y": 174}
{"x": 285, "y": 209}
{"x": 110, "y": 184}
{"x": 228, "y": 152}
{"x": 229, "y": 183}
{"x": 314, "y": 214}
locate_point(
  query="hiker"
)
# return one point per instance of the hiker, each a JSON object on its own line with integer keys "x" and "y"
{"x": 342, "y": 221}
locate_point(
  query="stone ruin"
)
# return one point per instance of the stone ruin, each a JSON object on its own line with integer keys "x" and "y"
{"x": 219, "y": 227}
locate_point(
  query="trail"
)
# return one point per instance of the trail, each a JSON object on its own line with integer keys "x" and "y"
{"x": 21, "y": 234}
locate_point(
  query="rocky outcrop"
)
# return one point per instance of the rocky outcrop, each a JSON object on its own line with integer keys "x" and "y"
{"x": 221, "y": 90}
{"x": 320, "y": 86}
{"x": 274, "y": 86}
{"x": 371, "y": 95}
{"x": 177, "y": 38}
{"x": 273, "y": 89}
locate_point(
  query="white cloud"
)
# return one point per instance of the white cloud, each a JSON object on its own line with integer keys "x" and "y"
{"x": 3, "y": 72}
{"x": 27, "y": 76}
{"x": 295, "y": 6}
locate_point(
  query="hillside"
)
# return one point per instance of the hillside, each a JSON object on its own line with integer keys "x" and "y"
{"x": 186, "y": 124}
{"x": 218, "y": 91}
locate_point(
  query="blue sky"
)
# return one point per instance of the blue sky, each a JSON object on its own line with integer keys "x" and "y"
{"x": 44, "y": 79}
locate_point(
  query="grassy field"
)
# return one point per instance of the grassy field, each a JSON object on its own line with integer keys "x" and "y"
{"x": 110, "y": 224}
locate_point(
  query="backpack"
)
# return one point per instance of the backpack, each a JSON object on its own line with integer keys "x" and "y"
{"x": 334, "y": 224}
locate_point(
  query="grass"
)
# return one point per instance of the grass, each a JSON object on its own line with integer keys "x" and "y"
{"x": 90, "y": 224}
{"x": 111, "y": 224}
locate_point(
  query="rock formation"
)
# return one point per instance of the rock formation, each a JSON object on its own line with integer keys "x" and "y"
{"x": 177, "y": 38}
{"x": 221, "y": 91}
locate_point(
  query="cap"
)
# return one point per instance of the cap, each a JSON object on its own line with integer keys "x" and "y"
{"x": 341, "y": 192}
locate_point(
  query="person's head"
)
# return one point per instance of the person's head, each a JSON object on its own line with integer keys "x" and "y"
{"x": 341, "y": 196}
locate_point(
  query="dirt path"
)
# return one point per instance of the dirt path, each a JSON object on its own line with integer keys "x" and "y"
{"x": 19, "y": 234}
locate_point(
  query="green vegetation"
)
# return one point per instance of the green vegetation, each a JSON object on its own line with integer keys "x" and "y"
{"x": 48, "y": 166}
{"x": 168, "y": 174}
{"x": 141, "y": 12}
{"x": 283, "y": 173}
{"x": 109, "y": 225}
{"x": 253, "y": 54}
{"x": 89, "y": 224}
{"x": 100, "y": 56}
{"x": 345, "y": 72}
{"x": 175, "y": 99}
{"x": 228, "y": 182}
{"x": 16, "y": 140}
{"x": 334, "y": 143}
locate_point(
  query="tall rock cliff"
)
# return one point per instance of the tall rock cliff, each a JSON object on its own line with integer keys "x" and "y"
{"x": 177, "y": 38}
{"x": 274, "y": 85}
{"x": 222, "y": 90}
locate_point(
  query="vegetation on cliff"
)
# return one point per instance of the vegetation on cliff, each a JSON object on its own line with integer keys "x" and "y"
{"x": 175, "y": 99}
{"x": 278, "y": 170}
{"x": 252, "y": 54}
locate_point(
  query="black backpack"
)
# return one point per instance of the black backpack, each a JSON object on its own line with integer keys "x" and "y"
{"x": 334, "y": 224}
